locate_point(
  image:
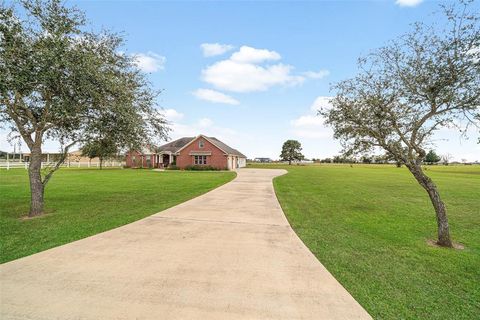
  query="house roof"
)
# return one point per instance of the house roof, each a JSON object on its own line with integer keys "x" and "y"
{"x": 225, "y": 147}
{"x": 178, "y": 144}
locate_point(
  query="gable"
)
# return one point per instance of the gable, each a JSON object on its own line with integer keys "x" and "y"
{"x": 195, "y": 146}
{"x": 176, "y": 145}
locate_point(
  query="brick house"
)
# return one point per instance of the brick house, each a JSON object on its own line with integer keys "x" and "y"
{"x": 189, "y": 151}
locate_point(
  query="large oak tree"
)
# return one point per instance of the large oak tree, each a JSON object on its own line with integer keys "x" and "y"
{"x": 425, "y": 80}
{"x": 61, "y": 82}
{"x": 291, "y": 151}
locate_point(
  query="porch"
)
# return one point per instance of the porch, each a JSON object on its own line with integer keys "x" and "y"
{"x": 165, "y": 159}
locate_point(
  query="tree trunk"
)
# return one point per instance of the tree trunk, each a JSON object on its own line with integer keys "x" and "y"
{"x": 36, "y": 185}
{"x": 289, "y": 162}
{"x": 101, "y": 162}
{"x": 440, "y": 209}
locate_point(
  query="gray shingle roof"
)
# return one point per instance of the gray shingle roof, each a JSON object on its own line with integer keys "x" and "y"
{"x": 176, "y": 145}
{"x": 225, "y": 147}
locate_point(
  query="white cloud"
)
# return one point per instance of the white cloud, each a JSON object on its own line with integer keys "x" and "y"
{"x": 205, "y": 123}
{"x": 307, "y": 121}
{"x": 150, "y": 61}
{"x": 311, "y": 125}
{"x": 248, "y": 70}
{"x": 173, "y": 115}
{"x": 408, "y": 3}
{"x": 321, "y": 102}
{"x": 215, "y": 49}
{"x": 252, "y": 55}
{"x": 246, "y": 77}
{"x": 317, "y": 75}
{"x": 214, "y": 96}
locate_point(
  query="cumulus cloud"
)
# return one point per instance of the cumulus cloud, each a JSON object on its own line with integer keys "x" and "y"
{"x": 321, "y": 102}
{"x": 150, "y": 61}
{"x": 307, "y": 121}
{"x": 247, "y": 77}
{"x": 214, "y": 96}
{"x": 172, "y": 115}
{"x": 205, "y": 123}
{"x": 311, "y": 125}
{"x": 317, "y": 75}
{"x": 252, "y": 55}
{"x": 408, "y": 3}
{"x": 215, "y": 49}
{"x": 250, "y": 69}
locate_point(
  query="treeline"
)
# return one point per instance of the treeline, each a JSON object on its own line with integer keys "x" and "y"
{"x": 430, "y": 159}
{"x": 364, "y": 159}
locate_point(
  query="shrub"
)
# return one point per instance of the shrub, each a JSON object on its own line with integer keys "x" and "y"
{"x": 201, "y": 168}
{"x": 173, "y": 167}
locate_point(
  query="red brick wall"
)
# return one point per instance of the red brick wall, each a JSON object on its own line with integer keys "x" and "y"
{"x": 217, "y": 159}
{"x": 140, "y": 160}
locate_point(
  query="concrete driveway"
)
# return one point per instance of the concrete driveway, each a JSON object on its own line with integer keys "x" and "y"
{"x": 229, "y": 254}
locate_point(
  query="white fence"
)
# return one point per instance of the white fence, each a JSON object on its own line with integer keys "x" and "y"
{"x": 24, "y": 165}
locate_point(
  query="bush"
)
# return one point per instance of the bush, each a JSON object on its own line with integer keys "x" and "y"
{"x": 201, "y": 168}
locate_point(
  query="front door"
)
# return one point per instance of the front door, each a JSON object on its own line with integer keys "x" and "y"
{"x": 166, "y": 160}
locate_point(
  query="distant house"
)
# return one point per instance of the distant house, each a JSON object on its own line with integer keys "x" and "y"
{"x": 188, "y": 151}
{"x": 72, "y": 157}
{"x": 266, "y": 160}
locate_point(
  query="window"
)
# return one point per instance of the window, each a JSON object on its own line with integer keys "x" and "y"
{"x": 201, "y": 144}
{"x": 200, "y": 159}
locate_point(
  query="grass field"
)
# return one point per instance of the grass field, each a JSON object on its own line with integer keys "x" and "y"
{"x": 83, "y": 202}
{"x": 369, "y": 226}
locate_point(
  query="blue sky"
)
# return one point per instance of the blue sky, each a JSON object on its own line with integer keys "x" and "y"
{"x": 262, "y": 66}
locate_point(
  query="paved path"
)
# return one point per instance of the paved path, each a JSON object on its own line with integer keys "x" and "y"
{"x": 229, "y": 254}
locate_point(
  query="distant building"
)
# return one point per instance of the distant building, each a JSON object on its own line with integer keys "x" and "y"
{"x": 263, "y": 160}
{"x": 72, "y": 157}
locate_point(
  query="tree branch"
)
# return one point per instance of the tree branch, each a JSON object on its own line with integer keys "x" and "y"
{"x": 63, "y": 156}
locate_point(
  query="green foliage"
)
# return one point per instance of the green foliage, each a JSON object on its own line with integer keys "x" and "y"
{"x": 60, "y": 82}
{"x": 102, "y": 149}
{"x": 202, "y": 168}
{"x": 415, "y": 85}
{"x": 291, "y": 151}
{"x": 84, "y": 202}
{"x": 343, "y": 159}
{"x": 432, "y": 157}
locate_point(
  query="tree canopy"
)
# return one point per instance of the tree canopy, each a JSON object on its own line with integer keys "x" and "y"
{"x": 291, "y": 151}
{"x": 405, "y": 91}
{"x": 432, "y": 157}
{"x": 61, "y": 82}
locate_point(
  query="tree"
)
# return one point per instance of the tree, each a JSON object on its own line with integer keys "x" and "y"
{"x": 102, "y": 149}
{"x": 446, "y": 158}
{"x": 432, "y": 157}
{"x": 366, "y": 159}
{"x": 291, "y": 151}
{"x": 60, "y": 82}
{"x": 405, "y": 91}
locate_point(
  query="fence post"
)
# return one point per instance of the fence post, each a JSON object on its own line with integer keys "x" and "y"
{"x": 79, "y": 164}
{"x": 8, "y": 165}
{"x": 25, "y": 166}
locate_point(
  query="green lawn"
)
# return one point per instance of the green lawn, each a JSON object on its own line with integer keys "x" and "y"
{"x": 83, "y": 202}
{"x": 368, "y": 224}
